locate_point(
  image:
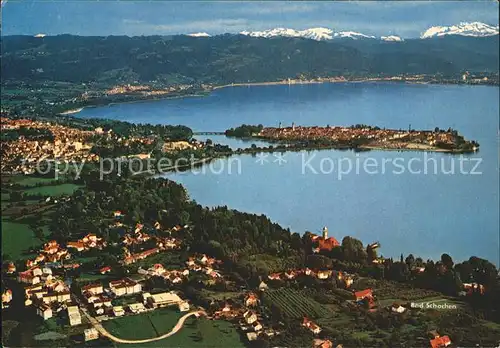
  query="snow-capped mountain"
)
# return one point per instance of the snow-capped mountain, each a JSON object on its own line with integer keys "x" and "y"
{"x": 391, "y": 38}
{"x": 477, "y": 29}
{"x": 199, "y": 34}
{"x": 352, "y": 35}
{"x": 318, "y": 34}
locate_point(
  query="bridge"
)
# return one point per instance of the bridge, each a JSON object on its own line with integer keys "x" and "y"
{"x": 208, "y": 133}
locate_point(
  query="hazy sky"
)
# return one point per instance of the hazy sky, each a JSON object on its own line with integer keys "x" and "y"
{"x": 407, "y": 19}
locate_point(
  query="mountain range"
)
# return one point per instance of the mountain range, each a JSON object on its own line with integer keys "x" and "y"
{"x": 237, "y": 58}
{"x": 476, "y": 29}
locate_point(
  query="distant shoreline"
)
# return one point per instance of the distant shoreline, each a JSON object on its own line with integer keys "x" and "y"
{"x": 71, "y": 111}
{"x": 207, "y": 92}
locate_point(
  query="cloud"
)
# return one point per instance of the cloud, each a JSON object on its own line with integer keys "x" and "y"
{"x": 132, "y": 21}
{"x": 211, "y": 26}
{"x": 272, "y": 8}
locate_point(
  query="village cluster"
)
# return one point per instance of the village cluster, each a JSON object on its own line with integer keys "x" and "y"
{"x": 143, "y": 90}
{"x": 68, "y": 144}
{"x": 50, "y": 294}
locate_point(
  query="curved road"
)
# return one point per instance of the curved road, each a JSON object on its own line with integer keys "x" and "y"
{"x": 175, "y": 329}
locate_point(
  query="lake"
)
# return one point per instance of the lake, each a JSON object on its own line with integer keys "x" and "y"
{"x": 411, "y": 202}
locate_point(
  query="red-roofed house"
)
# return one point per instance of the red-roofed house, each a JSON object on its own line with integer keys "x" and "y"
{"x": 440, "y": 342}
{"x": 125, "y": 286}
{"x": 28, "y": 277}
{"x": 11, "y": 268}
{"x": 311, "y": 326}
{"x": 328, "y": 244}
{"x": 251, "y": 300}
{"x": 274, "y": 276}
{"x": 138, "y": 228}
{"x": 105, "y": 269}
{"x": 79, "y": 246}
{"x": 318, "y": 343}
{"x": 93, "y": 289}
{"x": 360, "y": 295}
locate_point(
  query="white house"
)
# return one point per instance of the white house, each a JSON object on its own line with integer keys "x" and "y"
{"x": 257, "y": 326}
{"x": 250, "y": 317}
{"x": 44, "y": 311}
{"x": 163, "y": 299}
{"x": 118, "y": 311}
{"x": 252, "y": 336}
{"x": 93, "y": 289}
{"x": 136, "y": 307}
{"x": 91, "y": 334}
{"x": 74, "y": 315}
{"x": 125, "y": 286}
{"x": 398, "y": 309}
{"x": 183, "y": 306}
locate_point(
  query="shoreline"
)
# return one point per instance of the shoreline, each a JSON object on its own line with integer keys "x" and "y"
{"x": 208, "y": 92}
{"x": 72, "y": 111}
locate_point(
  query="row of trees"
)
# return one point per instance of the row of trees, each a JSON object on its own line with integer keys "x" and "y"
{"x": 244, "y": 131}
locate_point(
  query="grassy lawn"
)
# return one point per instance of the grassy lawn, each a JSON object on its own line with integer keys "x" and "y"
{"x": 170, "y": 260}
{"x": 131, "y": 327}
{"x": 16, "y": 238}
{"x": 217, "y": 295}
{"x": 197, "y": 332}
{"x": 92, "y": 277}
{"x": 32, "y": 181}
{"x": 64, "y": 189}
{"x": 361, "y": 334}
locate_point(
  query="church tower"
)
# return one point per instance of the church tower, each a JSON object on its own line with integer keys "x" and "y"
{"x": 325, "y": 232}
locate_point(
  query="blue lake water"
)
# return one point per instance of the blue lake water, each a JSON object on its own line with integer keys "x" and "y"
{"x": 425, "y": 213}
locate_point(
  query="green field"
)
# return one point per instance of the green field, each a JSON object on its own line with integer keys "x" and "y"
{"x": 16, "y": 238}
{"x": 294, "y": 304}
{"x": 197, "y": 332}
{"x": 64, "y": 189}
{"x": 31, "y": 181}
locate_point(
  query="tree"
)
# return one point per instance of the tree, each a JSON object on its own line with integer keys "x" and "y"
{"x": 353, "y": 249}
{"x": 16, "y": 196}
{"x": 38, "y": 232}
{"x": 410, "y": 261}
{"x": 447, "y": 261}
{"x": 318, "y": 261}
{"x": 399, "y": 271}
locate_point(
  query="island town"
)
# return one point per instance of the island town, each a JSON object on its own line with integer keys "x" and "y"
{"x": 369, "y": 137}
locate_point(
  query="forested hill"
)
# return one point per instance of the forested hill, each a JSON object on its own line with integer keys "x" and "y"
{"x": 236, "y": 58}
